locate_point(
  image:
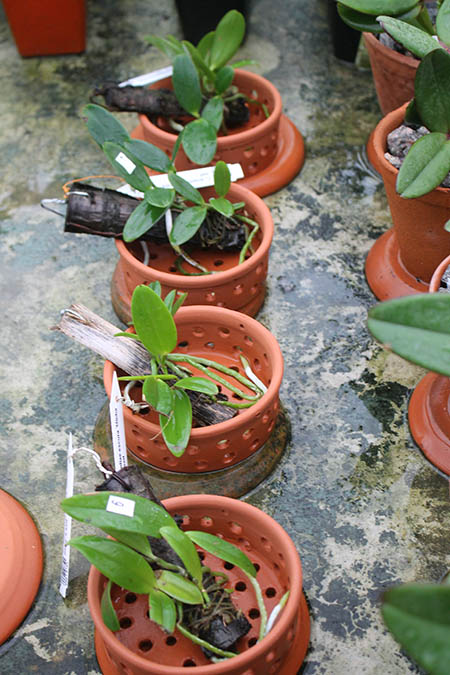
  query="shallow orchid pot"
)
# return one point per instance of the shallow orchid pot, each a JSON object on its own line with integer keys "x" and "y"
{"x": 402, "y": 260}
{"x": 142, "y": 648}
{"x": 232, "y": 456}
{"x": 270, "y": 150}
{"x": 238, "y": 286}
{"x": 428, "y": 412}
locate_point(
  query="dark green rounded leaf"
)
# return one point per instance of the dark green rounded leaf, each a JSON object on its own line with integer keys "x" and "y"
{"x": 158, "y": 394}
{"x": 141, "y": 220}
{"x": 177, "y": 430}
{"x": 223, "y": 550}
{"x": 414, "y": 39}
{"x": 153, "y": 322}
{"x": 103, "y": 126}
{"x": 432, "y": 91}
{"x": 186, "y": 84}
{"x": 222, "y": 205}
{"x": 443, "y": 22}
{"x": 200, "y": 141}
{"x": 198, "y": 60}
{"x": 200, "y": 384}
{"x": 149, "y": 155}
{"x": 179, "y": 587}
{"x": 185, "y": 189}
{"x": 359, "y": 21}
{"x": 129, "y": 168}
{"x": 223, "y": 79}
{"x": 187, "y": 224}
{"x": 222, "y": 178}
{"x": 227, "y": 38}
{"x": 425, "y": 166}
{"x": 160, "y": 197}
{"x": 389, "y": 7}
{"x": 109, "y": 615}
{"x": 213, "y": 112}
{"x": 204, "y": 45}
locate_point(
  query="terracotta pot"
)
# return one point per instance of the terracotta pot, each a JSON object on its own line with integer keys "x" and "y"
{"x": 393, "y": 74}
{"x": 402, "y": 261}
{"x": 270, "y": 150}
{"x": 219, "y": 334}
{"x": 429, "y": 407}
{"x": 21, "y": 564}
{"x": 43, "y": 27}
{"x": 241, "y": 287}
{"x": 143, "y": 649}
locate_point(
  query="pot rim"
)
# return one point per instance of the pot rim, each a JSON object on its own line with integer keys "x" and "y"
{"x": 437, "y": 274}
{"x": 390, "y": 53}
{"x": 218, "y": 278}
{"x": 259, "y": 520}
{"x": 195, "y": 313}
{"x": 241, "y": 136}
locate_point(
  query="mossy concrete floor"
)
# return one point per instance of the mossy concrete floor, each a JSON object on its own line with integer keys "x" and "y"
{"x": 365, "y": 509}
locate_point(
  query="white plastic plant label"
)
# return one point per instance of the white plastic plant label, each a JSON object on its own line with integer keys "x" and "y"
{"x": 169, "y": 222}
{"x": 148, "y": 78}
{"x": 125, "y": 162}
{"x": 65, "y": 562}
{"x": 120, "y": 505}
{"x": 117, "y": 426}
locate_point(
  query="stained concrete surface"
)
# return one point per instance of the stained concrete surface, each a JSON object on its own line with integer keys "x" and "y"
{"x": 365, "y": 509}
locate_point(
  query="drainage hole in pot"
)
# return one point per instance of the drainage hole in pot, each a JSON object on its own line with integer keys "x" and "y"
{"x": 254, "y": 289}
{"x": 252, "y": 642}
{"x": 210, "y": 345}
{"x": 270, "y": 592}
{"x": 145, "y": 645}
{"x": 237, "y": 349}
{"x": 198, "y": 331}
{"x": 248, "y": 340}
{"x": 253, "y": 167}
{"x": 201, "y": 555}
{"x": 224, "y": 332}
{"x": 255, "y": 445}
{"x": 260, "y": 269}
{"x": 228, "y": 566}
{"x": 265, "y": 418}
{"x": 206, "y": 521}
{"x": 241, "y": 586}
{"x": 183, "y": 343}
{"x": 130, "y": 597}
{"x": 254, "y": 613}
{"x": 238, "y": 289}
{"x": 171, "y": 641}
{"x": 210, "y": 297}
{"x": 170, "y": 460}
{"x": 237, "y": 397}
{"x": 247, "y": 433}
{"x": 218, "y": 263}
{"x": 201, "y": 465}
{"x": 235, "y": 527}
{"x": 125, "y": 622}
{"x": 244, "y": 543}
{"x": 229, "y": 457}
{"x": 257, "y": 364}
{"x": 153, "y": 256}
{"x": 189, "y": 663}
{"x": 223, "y": 444}
{"x": 264, "y": 151}
{"x": 193, "y": 450}
{"x": 271, "y": 426}
{"x": 173, "y": 269}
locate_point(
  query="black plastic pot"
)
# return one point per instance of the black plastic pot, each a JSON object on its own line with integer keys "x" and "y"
{"x": 198, "y": 17}
{"x": 345, "y": 39}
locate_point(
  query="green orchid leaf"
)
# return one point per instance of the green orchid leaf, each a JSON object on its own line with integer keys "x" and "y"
{"x": 158, "y": 394}
{"x": 204, "y": 46}
{"x": 200, "y": 141}
{"x": 109, "y": 615}
{"x": 213, "y": 112}
{"x": 160, "y": 197}
{"x": 357, "y": 20}
{"x": 222, "y": 205}
{"x": 425, "y": 166}
{"x": 117, "y": 562}
{"x": 223, "y": 79}
{"x": 177, "y": 429}
{"x": 185, "y": 189}
{"x": 149, "y": 155}
{"x": 198, "y": 60}
{"x": 153, "y": 322}
{"x": 176, "y": 147}
{"x": 418, "y": 616}
{"x": 169, "y": 300}
{"x": 166, "y": 46}
{"x": 129, "y": 168}
{"x": 103, "y": 126}
{"x": 133, "y": 336}
{"x": 162, "y": 610}
{"x": 223, "y": 550}
{"x": 227, "y": 38}
{"x": 411, "y": 114}
{"x": 389, "y": 7}
{"x": 155, "y": 286}
{"x": 140, "y": 220}
{"x": 416, "y": 328}
{"x": 443, "y": 22}
{"x": 147, "y": 519}
{"x": 414, "y": 39}
{"x": 187, "y": 224}
{"x": 139, "y": 542}
{"x": 222, "y": 178}
{"x": 178, "y": 302}
{"x": 186, "y": 84}
{"x": 179, "y": 587}
{"x": 423, "y": 20}
{"x": 200, "y": 384}
{"x": 185, "y": 550}
{"x": 431, "y": 91}
{"x": 244, "y": 62}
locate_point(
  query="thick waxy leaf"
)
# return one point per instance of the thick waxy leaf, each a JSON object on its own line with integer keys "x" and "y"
{"x": 432, "y": 91}
{"x": 153, "y": 322}
{"x": 185, "y": 189}
{"x": 187, "y": 224}
{"x": 185, "y": 549}
{"x": 204, "y": 45}
{"x": 389, "y": 7}
{"x": 168, "y": 47}
{"x": 228, "y": 36}
{"x": 200, "y": 384}
{"x": 149, "y": 155}
{"x": 198, "y": 60}
{"x": 178, "y": 302}
{"x": 155, "y": 286}
{"x": 103, "y": 126}
{"x": 141, "y": 220}
{"x": 222, "y": 205}
{"x": 129, "y": 168}
{"x": 419, "y": 618}
{"x": 179, "y": 587}
{"x": 200, "y": 141}
{"x": 414, "y": 39}
{"x": 213, "y": 112}
{"x": 109, "y": 615}
{"x": 169, "y": 300}
{"x": 148, "y": 517}
{"x": 223, "y": 79}
{"x": 158, "y": 394}
{"x": 425, "y": 166}
{"x": 364, "y": 22}
{"x": 443, "y": 22}
{"x": 137, "y": 541}
{"x": 177, "y": 430}
{"x": 117, "y": 562}
{"x": 222, "y": 178}
{"x": 186, "y": 84}
{"x": 162, "y": 610}
{"x": 160, "y": 197}
{"x": 411, "y": 114}
{"x": 223, "y": 550}
{"x": 417, "y": 328}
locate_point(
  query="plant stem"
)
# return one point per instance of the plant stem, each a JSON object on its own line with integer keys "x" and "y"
{"x": 261, "y": 607}
{"x": 196, "y": 360}
{"x": 246, "y": 246}
{"x": 203, "y": 643}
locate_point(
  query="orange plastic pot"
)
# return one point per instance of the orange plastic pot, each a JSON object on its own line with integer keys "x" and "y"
{"x": 221, "y": 335}
{"x": 44, "y": 27}
{"x": 429, "y": 407}
{"x": 241, "y": 287}
{"x": 141, "y": 648}
{"x": 402, "y": 261}
{"x": 270, "y": 150}
{"x": 393, "y": 74}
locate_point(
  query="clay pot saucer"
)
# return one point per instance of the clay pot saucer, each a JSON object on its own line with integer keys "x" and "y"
{"x": 21, "y": 563}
